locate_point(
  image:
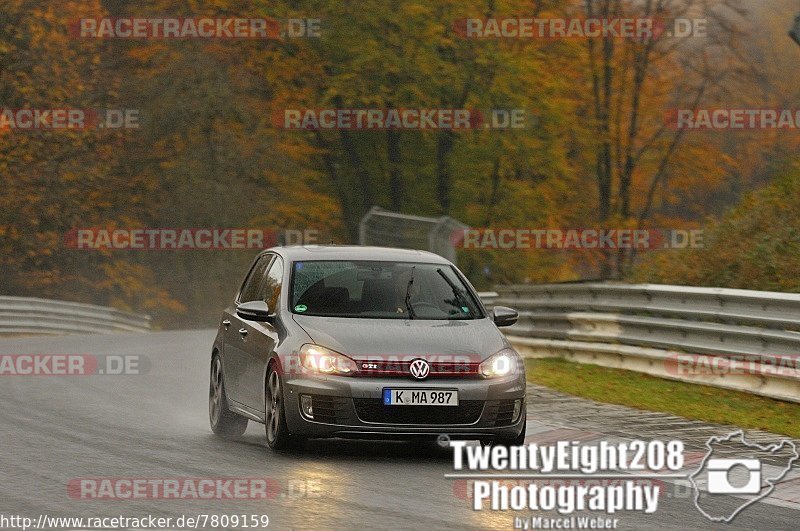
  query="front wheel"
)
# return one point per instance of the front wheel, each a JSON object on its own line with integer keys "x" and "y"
{"x": 278, "y": 436}
{"x": 223, "y": 421}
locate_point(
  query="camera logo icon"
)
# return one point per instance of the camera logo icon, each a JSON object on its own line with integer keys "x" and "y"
{"x": 736, "y": 473}
{"x": 721, "y": 472}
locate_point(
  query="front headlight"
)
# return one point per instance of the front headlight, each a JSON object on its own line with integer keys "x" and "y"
{"x": 325, "y": 361}
{"x": 501, "y": 364}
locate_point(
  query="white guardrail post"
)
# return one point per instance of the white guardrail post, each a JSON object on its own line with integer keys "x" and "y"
{"x": 25, "y": 315}
{"x": 734, "y": 339}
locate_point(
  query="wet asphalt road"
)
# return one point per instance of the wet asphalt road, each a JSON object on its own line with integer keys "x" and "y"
{"x": 154, "y": 425}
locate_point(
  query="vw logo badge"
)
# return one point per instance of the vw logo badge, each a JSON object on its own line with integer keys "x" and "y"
{"x": 420, "y": 369}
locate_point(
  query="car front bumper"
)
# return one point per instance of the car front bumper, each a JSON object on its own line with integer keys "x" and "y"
{"x": 352, "y": 407}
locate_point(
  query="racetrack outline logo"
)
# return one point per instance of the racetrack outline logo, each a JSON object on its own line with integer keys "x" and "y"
{"x": 771, "y": 448}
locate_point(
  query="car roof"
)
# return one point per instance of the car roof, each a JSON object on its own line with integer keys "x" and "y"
{"x": 356, "y": 252}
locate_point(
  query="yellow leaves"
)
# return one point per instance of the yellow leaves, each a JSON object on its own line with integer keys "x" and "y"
{"x": 754, "y": 246}
{"x": 132, "y": 287}
{"x": 296, "y": 149}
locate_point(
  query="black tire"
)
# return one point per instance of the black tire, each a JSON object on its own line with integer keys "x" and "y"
{"x": 223, "y": 421}
{"x": 278, "y": 436}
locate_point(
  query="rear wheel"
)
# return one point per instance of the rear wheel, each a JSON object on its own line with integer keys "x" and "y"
{"x": 223, "y": 421}
{"x": 278, "y": 436}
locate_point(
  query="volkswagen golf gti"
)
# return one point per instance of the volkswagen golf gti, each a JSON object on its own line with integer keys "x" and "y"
{"x": 364, "y": 342}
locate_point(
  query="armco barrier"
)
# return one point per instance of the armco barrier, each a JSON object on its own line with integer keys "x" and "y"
{"x": 24, "y": 315}
{"x": 735, "y": 339}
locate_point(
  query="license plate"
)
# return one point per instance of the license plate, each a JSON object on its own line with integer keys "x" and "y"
{"x": 419, "y": 397}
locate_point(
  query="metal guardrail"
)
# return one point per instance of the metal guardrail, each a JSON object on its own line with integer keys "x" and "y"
{"x": 737, "y": 339}
{"x": 25, "y": 315}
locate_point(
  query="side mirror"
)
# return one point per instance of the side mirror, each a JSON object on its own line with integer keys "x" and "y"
{"x": 254, "y": 311}
{"x": 503, "y": 316}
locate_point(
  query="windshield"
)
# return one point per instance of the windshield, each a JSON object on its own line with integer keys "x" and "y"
{"x": 382, "y": 290}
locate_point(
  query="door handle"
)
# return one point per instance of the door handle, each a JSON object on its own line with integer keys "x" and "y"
{"x": 243, "y": 331}
{"x": 226, "y": 323}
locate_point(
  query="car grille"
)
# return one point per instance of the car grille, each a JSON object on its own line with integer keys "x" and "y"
{"x": 370, "y": 410}
{"x": 328, "y": 409}
{"x": 402, "y": 369}
{"x": 505, "y": 413}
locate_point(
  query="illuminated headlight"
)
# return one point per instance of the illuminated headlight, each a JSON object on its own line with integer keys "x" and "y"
{"x": 325, "y": 361}
{"x": 501, "y": 364}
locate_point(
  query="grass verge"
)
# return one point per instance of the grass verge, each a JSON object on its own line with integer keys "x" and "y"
{"x": 641, "y": 391}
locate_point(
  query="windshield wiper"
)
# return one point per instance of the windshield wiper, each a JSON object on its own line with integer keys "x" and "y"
{"x": 458, "y": 293}
{"x": 410, "y": 308}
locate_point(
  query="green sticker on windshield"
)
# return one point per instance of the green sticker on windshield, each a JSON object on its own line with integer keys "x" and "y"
{"x": 300, "y": 308}
{"x": 465, "y": 309}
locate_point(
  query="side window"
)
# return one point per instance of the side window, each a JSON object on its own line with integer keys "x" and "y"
{"x": 251, "y": 286}
{"x": 271, "y": 291}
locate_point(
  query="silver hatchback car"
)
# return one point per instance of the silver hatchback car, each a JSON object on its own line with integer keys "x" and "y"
{"x": 364, "y": 342}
